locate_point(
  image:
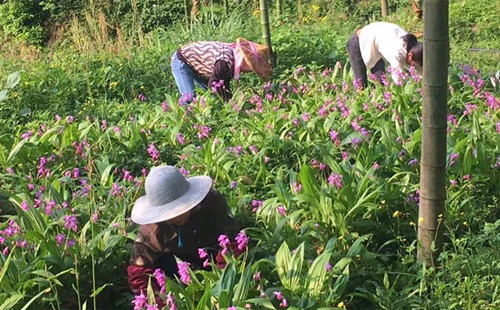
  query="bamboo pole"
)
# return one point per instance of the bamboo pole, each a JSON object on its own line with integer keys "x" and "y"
{"x": 434, "y": 111}
{"x": 266, "y": 31}
{"x": 385, "y": 7}
{"x": 279, "y": 8}
{"x": 299, "y": 10}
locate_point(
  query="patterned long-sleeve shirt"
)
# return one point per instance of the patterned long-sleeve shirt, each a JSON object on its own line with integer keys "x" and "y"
{"x": 212, "y": 62}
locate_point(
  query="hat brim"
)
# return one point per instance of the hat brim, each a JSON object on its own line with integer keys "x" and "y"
{"x": 143, "y": 213}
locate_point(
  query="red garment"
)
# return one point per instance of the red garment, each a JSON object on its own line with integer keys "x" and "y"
{"x": 138, "y": 279}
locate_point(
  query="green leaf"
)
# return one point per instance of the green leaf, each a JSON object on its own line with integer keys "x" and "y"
{"x": 99, "y": 290}
{"x": 11, "y": 302}
{"x": 16, "y": 149}
{"x": 261, "y": 302}
{"x": 283, "y": 258}
{"x": 3, "y": 95}
{"x": 13, "y": 79}
{"x": 317, "y": 274}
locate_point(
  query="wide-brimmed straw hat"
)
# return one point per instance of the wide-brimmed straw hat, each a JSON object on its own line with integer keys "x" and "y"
{"x": 168, "y": 195}
{"x": 256, "y": 56}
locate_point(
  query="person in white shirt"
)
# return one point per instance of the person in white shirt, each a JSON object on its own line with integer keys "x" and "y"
{"x": 370, "y": 45}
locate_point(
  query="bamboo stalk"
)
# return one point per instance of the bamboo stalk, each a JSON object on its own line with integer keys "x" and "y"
{"x": 266, "y": 31}
{"x": 434, "y": 111}
{"x": 279, "y": 8}
{"x": 385, "y": 7}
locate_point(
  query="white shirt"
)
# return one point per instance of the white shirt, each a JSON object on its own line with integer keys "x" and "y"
{"x": 383, "y": 40}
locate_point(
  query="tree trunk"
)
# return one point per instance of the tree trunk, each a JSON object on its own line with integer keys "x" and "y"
{"x": 266, "y": 31}
{"x": 385, "y": 7}
{"x": 279, "y": 8}
{"x": 195, "y": 9}
{"x": 434, "y": 111}
{"x": 299, "y": 10}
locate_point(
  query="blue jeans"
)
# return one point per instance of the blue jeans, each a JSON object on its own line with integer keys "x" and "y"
{"x": 185, "y": 78}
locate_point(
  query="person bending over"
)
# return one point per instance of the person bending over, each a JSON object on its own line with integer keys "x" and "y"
{"x": 213, "y": 65}
{"x": 177, "y": 216}
{"x": 369, "y": 46}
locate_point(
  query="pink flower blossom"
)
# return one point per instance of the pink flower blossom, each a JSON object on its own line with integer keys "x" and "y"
{"x": 70, "y": 222}
{"x": 160, "y": 278}
{"x": 142, "y": 97}
{"x": 242, "y": 240}
{"x": 180, "y": 139}
{"x": 334, "y": 135}
{"x": 60, "y": 238}
{"x": 224, "y": 243}
{"x": 26, "y": 135}
{"x": 281, "y": 210}
{"x": 140, "y": 301}
{"x": 256, "y": 276}
{"x": 24, "y": 205}
{"x": 153, "y": 152}
{"x": 335, "y": 180}
{"x": 183, "y": 268}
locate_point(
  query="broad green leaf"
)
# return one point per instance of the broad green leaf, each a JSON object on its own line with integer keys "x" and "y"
{"x": 13, "y": 79}
{"x": 283, "y": 259}
{"x": 11, "y": 302}
{"x": 317, "y": 274}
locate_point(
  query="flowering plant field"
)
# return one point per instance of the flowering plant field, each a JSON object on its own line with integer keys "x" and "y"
{"x": 323, "y": 175}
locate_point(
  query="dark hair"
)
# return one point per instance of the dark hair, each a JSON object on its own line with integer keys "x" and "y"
{"x": 415, "y": 48}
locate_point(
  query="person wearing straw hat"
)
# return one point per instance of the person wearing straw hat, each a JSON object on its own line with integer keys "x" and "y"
{"x": 177, "y": 216}
{"x": 212, "y": 64}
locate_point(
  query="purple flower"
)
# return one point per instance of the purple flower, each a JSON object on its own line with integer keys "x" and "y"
{"x": 202, "y": 253}
{"x": 48, "y": 207}
{"x": 281, "y": 210}
{"x": 164, "y": 106}
{"x": 140, "y": 301}
{"x": 70, "y": 222}
{"x": 242, "y": 240}
{"x": 183, "y": 268}
{"x": 24, "y": 205}
{"x": 142, "y": 97}
{"x": 306, "y": 117}
{"x": 233, "y": 185}
{"x": 284, "y": 303}
{"x": 94, "y": 217}
{"x": 170, "y": 301}
{"x": 224, "y": 243}
{"x": 328, "y": 267}
{"x": 153, "y": 152}
{"x": 334, "y": 135}
{"x": 70, "y": 119}
{"x": 70, "y": 243}
{"x": 296, "y": 187}
{"x": 453, "y": 158}
{"x": 60, "y": 238}
{"x": 413, "y": 162}
{"x": 355, "y": 141}
{"x": 203, "y": 131}
{"x": 232, "y": 308}
{"x": 278, "y": 295}
{"x": 256, "y": 204}
{"x": 76, "y": 173}
{"x": 498, "y": 127}
{"x": 256, "y": 276}
{"x": 160, "y": 278}
{"x": 180, "y": 138}
{"x": 26, "y": 135}
{"x": 335, "y": 180}
{"x": 184, "y": 171}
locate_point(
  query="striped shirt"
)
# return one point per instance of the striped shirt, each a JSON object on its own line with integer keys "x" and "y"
{"x": 202, "y": 56}
{"x": 211, "y": 61}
